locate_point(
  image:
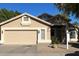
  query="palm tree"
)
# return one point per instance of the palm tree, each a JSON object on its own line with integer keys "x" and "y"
{"x": 76, "y": 23}
{"x": 6, "y": 14}
{"x": 69, "y": 8}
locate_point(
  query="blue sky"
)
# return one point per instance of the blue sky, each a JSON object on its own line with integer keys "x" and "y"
{"x": 33, "y": 8}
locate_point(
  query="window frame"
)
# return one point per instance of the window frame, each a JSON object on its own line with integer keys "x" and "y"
{"x": 23, "y": 22}
{"x": 43, "y": 34}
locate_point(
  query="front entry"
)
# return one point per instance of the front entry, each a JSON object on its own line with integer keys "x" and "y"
{"x": 59, "y": 33}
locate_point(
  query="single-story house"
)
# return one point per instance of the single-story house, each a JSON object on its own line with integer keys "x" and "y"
{"x": 30, "y": 30}
{"x": 25, "y": 29}
{"x": 62, "y": 29}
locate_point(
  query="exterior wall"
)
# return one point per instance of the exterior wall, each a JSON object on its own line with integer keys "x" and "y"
{"x": 17, "y": 23}
{"x": 0, "y": 32}
{"x": 34, "y": 24}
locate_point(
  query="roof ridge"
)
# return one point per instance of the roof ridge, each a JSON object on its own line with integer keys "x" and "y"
{"x": 28, "y": 15}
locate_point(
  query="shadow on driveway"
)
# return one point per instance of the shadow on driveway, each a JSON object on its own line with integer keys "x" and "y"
{"x": 75, "y": 45}
{"x": 76, "y": 53}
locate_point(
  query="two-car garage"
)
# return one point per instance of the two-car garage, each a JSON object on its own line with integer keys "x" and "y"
{"x": 27, "y": 37}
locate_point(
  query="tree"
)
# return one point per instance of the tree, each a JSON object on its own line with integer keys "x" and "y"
{"x": 69, "y": 8}
{"x": 6, "y": 14}
{"x": 76, "y": 23}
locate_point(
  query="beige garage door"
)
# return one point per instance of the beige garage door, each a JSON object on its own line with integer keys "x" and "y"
{"x": 27, "y": 37}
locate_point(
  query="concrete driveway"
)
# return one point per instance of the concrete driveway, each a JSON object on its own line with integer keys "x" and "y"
{"x": 17, "y": 50}
{"x": 35, "y": 50}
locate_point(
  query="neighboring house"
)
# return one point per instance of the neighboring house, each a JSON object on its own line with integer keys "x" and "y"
{"x": 74, "y": 33}
{"x": 25, "y": 29}
{"x": 62, "y": 28}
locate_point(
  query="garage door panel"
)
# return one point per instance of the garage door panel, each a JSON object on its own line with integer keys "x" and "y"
{"x": 20, "y": 37}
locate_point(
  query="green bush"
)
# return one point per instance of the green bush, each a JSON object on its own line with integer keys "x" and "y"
{"x": 54, "y": 40}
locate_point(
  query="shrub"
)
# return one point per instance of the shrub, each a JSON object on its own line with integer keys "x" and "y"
{"x": 54, "y": 40}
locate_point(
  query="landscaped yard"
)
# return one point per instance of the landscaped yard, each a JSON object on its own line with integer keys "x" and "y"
{"x": 36, "y": 50}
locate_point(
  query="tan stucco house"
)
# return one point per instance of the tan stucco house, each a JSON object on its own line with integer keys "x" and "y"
{"x": 25, "y": 29}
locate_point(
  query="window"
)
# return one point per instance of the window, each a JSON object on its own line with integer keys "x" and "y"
{"x": 72, "y": 34}
{"x": 26, "y": 19}
{"x": 42, "y": 33}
